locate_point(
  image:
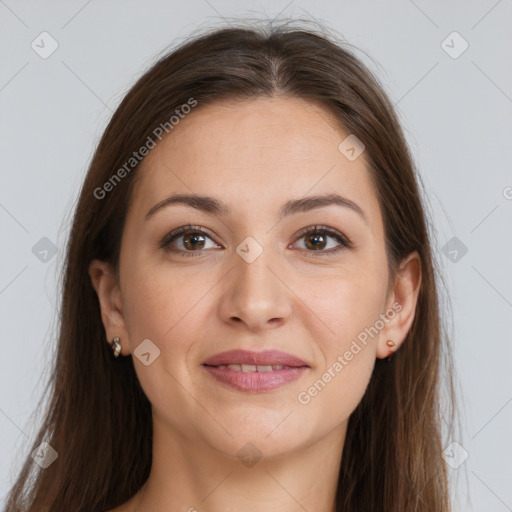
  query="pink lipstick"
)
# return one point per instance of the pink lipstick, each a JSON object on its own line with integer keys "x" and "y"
{"x": 255, "y": 371}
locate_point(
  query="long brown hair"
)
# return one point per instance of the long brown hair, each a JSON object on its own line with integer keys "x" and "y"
{"x": 98, "y": 418}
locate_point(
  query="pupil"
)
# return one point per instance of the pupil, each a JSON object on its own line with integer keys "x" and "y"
{"x": 316, "y": 237}
{"x": 188, "y": 238}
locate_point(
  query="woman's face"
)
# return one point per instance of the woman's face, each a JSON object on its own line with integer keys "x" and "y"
{"x": 247, "y": 278}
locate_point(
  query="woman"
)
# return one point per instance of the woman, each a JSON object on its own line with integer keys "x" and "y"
{"x": 250, "y": 313}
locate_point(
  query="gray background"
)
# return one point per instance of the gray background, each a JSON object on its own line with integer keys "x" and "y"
{"x": 456, "y": 113}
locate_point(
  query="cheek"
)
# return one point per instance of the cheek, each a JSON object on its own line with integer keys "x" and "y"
{"x": 337, "y": 385}
{"x": 341, "y": 391}
{"x": 145, "y": 313}
{"x": 327, "y": 401}
{"x": 156, "y": 300}
{"x": 159, "y": 305}
{"x": 348, "y": 305}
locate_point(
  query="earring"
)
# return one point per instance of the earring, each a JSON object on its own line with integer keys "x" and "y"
{"x": 390, "y": 344}
{"x": 116, "y": 346}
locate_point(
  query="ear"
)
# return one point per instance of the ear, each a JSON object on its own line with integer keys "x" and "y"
{"x": 402, "y": 301}
{"x": 105, "y": 282}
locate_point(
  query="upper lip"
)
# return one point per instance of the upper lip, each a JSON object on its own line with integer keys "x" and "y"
{"x": 265, "y": 358}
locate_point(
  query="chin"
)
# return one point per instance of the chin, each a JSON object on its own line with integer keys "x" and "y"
{"x": 260, "y": 441}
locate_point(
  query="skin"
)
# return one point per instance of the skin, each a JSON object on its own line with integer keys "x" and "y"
{"x": 255, "y": 156}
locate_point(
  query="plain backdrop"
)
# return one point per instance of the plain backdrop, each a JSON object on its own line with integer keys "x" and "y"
{"x": 453, "y": 93}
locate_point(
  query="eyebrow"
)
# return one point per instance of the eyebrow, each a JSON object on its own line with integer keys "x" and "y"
{"x": 213, "y": 206}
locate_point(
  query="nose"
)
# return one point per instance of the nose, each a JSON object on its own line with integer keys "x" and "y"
{"x": 255, "y": 295}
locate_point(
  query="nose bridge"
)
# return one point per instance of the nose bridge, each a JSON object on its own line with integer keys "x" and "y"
{"x": 254, "y": 278}
{"x": 255, "y": 295}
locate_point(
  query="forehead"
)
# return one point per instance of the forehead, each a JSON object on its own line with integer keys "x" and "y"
{"x": 254, "y": 155}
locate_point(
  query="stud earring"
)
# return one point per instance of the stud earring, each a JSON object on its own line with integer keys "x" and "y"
{"x": 390, "y": 344}
{"x": 116, "y": 346}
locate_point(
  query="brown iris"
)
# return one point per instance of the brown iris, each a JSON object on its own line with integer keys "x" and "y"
{"x": 192, "y": 239}
{"x": 315, "y": 245}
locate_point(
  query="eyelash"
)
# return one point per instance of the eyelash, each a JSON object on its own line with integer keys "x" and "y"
{"x": 344, "y": 241}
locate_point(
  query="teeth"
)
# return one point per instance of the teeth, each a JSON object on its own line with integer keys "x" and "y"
{"x": 252, "y": 367}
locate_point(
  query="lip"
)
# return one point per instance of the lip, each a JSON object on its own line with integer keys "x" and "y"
{"x": 265, "y": 358}
{"x": 291, "y": 369}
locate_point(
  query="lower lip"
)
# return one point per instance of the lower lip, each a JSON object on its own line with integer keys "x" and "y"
{"x": 256, "y": 381}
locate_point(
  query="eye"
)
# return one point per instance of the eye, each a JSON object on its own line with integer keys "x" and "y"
{"x": 191, "y": 239}
{"x": 316, "y": 240}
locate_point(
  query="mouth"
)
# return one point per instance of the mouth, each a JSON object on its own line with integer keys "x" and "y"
{"x": 255, "y": 371}
{"x": 253, "y": 367}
